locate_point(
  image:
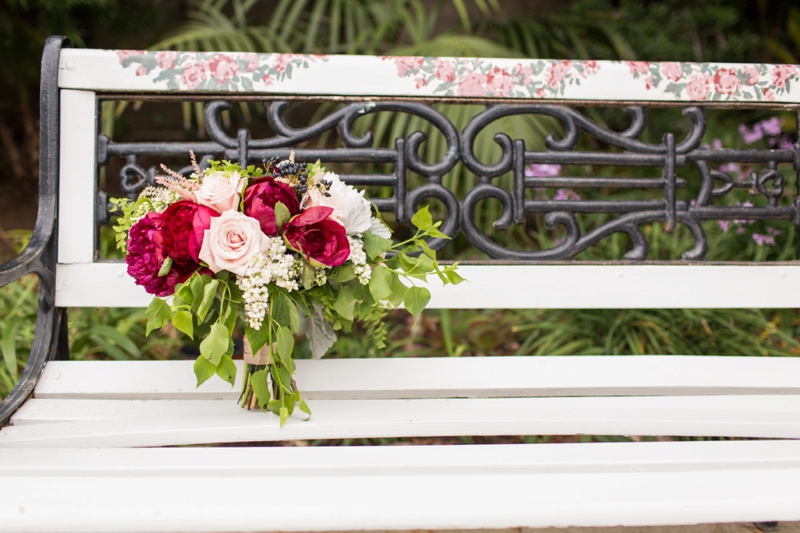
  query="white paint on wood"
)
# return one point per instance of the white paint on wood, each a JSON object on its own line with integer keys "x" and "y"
{"x": 560, "y": 485}
{"x": 440, "y": 377}
{"x": 497, "y": 286}
{"x": 121, "y": 423}
{"x": 77, "y": 184}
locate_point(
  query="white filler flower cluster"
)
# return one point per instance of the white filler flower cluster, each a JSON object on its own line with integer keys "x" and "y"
{"x": 273, "y": 266}
{"x": 359, "y": 258}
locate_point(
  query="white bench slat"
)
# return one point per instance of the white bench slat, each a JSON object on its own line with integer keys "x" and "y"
{"x": 611, "y": 81}
{"x": 115, "y": 423}
{"x": 571, "y": 286}
{"x": 664, "y": 483}
{"x": 743, "y": 408}
{"x": 440, "y": 377}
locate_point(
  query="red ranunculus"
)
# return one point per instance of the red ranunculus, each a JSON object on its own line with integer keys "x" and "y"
{"x": 260, "y": 199}
{"x": 146, "y": 255}
{"x": 321, "y": 239}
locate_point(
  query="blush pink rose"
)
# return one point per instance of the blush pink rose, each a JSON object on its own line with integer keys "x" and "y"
{"x": 671, "y": 70}
{"x": 407, "y": 64}
{"x": 782, "y": 73}
{"x": 252, "y": 62}
{"x": 223, "y": 68}
{"x": 499, "y": 82}
{"x": 141, "y": 71}
{"x": 526, "y": 73}
{"x": 444, "y": 70}
{"x": 166, "y": 60}
{"x": 472, "y": 84}
{"x": 699, "y": 86}
{"x": 282, "y": 61}
{"x": 194, "y": 74}
{"x": 590, "y": 68}
{"x": 752, "y": 74}
{"x": 126, "y": 54}
{"x": 220, "y": 191}
{"x": 726, "y": 81}
{"x": 557, "y": 72}
{"x": 231, "y": 242}
{"x": 638, "y": 67}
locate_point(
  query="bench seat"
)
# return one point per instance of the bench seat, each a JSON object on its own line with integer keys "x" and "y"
{"x": 398, "y": 487}
{"x": 140, "y": 403}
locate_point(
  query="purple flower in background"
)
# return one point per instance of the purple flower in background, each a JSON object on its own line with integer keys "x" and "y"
{"x": 716, "y": 144}
{"x": 768, "y": 238}
{"x": 730, "y": 168}
{"x": 724, "y": 224}
{"x": 786, "y": 143}
{"x": 771, "y": 126}
{"x": 566, "y": 194}
{"x": 751, "y": 136}
{"x": 537, "y": 170}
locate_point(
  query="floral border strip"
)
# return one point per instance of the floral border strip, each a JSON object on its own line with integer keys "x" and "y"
{"x": 482, "y": 77}
{"x": 707, "y": 81}
{"x": 215, "y": 71}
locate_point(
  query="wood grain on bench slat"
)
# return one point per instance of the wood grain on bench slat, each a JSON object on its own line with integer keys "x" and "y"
{"x": 441, "y": 377}
{"x": 115, "y": 423}
{"x": 572, "y": 286}
{"x": 399, "y": 487}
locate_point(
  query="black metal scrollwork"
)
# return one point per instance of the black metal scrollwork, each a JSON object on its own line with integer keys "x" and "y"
{"x": 629, "y": 150}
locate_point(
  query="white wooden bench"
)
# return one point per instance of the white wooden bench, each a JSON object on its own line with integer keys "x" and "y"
{"x": 91, "y": 446}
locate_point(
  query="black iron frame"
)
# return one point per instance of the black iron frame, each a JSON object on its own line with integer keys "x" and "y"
{"x": 39, "y": 256}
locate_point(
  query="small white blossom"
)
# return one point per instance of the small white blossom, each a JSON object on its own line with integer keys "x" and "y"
{"x": 359, "y": 258}
{"x": 273, "y": 266}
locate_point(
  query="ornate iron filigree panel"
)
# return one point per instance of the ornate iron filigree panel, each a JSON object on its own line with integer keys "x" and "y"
{"x": 627, "y": 149}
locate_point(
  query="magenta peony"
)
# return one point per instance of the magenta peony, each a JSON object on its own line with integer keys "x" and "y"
{"x": 260, "y": 199}
{"x": 146, "y": 255}
{"x": 321, "y": 239}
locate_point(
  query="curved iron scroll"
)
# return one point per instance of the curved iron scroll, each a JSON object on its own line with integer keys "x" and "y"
{"x": 629, "y": 150}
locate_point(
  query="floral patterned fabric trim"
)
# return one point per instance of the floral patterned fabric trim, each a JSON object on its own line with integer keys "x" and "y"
{"x": 705, "y": 81}
{"x": 482, "y": 77}
{"x": 214, "y": 71}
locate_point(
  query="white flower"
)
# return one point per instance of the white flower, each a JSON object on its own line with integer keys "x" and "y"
{"x": 350, "y": 208}
{"x": 359, "y": 258}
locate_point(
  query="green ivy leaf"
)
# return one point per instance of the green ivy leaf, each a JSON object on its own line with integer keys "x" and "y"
{"x": 309, "y": 276}
{"x": 374, "y": 246}
{"x": 158, "y": 313}
{"x": 345, "y": 302}
{"x": 182, "y": 320}
{"x": 283, "y": 309}
{"x": 260, "y": 388}
{"x": 166, "y": 266}
{"x": 453, "y": 276}
{"x": 215, "y": 345}
{"x": 203, "y": 369}
{"x": 285, "y": 341}
{"x": 398, "y": 292}
{"x": 209, "y": 295}
{"x": 422, "y": 219}
{"x": 227, "y": 369}
{"x": 344, "y": 273}
{"x": 282, "y": 215}
{"x": 257, "y": 337}
{"x": 380, "y": 284}
{"x": 416, "y": 299}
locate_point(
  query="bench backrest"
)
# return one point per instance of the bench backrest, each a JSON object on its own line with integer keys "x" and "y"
{"x": 517, "y": 278}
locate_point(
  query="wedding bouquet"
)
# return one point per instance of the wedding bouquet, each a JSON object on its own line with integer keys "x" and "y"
{"x": 275, "y": 251}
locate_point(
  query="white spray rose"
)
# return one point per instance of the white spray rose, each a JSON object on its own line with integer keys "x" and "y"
{"x": 220, "y": 191}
